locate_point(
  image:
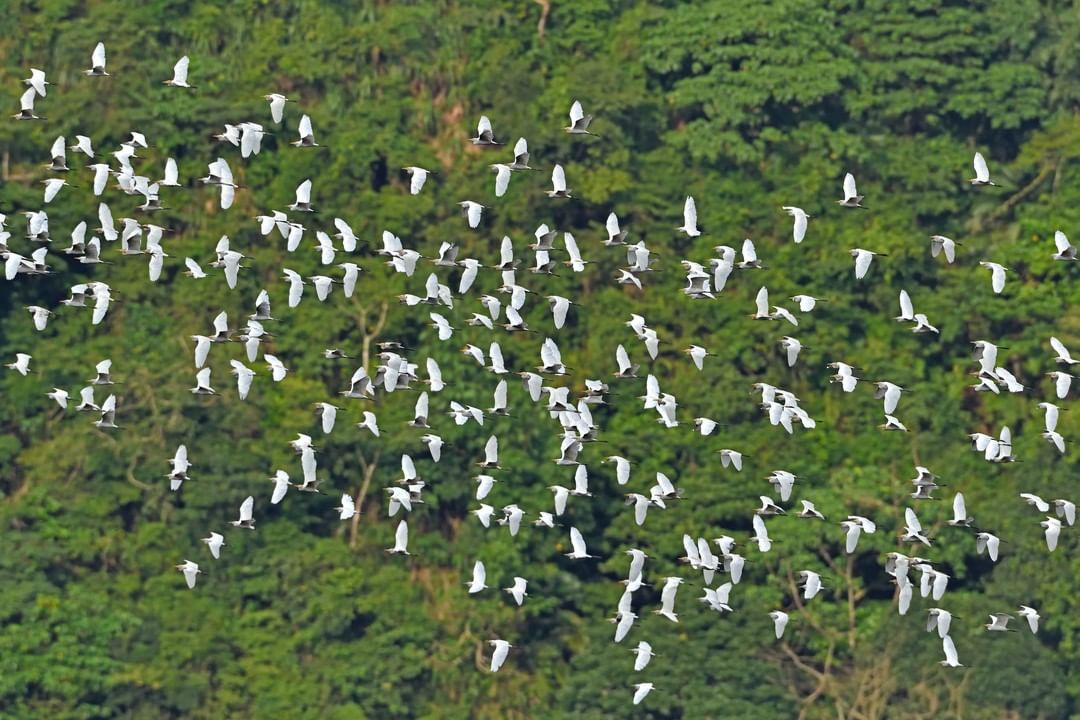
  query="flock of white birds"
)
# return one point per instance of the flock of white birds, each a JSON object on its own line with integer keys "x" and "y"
{"x": 571, "y": 411}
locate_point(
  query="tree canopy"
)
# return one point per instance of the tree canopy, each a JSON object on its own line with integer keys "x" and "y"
{"x": 748, "y": 107}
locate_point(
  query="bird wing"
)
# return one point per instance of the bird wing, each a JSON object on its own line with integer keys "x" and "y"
{"x": 612, "y": 225}
{"x": 305, "y": 127}
{"x": 799, "y": 231}
{"x": 180, "y": 70}
{"x": 907, "y": 310}
{"x": 762, "y": 301}
{"x": 576, "y": 113}
{"x": 997, "y": 278}
{"x": 689, "y": 212}
{"x": 474, "y": 210}
{"x": 849, "y": 187}
{"x": 97, "y": 58}
{"x": 949, "y": 647}
{"x": 246, "y": 508}
{"x": 484, "y": 126}
{"x": 1061, "y": 241}
{"x": 862, "y": 263}
{"x": 577, "y": 541}
{"x": 749, "y": 254}
{"x": 502, "y": 180}
{"x": 558, "y": 179}
{"x": 622, "y": 358}
{"x": 982, "y": 173}
{"x": 912, "y": 520}
{"x": 303, "y": 192}
{"x": 572, "y": 248}
{"x": 959, "y": 509}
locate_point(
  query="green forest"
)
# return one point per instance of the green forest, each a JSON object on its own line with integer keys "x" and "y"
{"x": 746, "y": 107}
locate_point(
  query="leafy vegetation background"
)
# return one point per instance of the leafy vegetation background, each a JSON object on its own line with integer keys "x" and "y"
{"x": 747, "y": 106}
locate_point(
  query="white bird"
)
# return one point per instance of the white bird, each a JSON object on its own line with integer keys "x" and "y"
{"x": 698, "y": 355}
{"x": 890, "y": 393}
{"x": 1055, "y": 439}
{"x": 479, "y": 578}
{"x": 52, "y": 187}
{"x": 689, "y": 225}
{"x": 1032, "y": 616}
{"x": 577, "y": 542}
{"x": 214, "y": 542}
{"x": 97, "y": 62}
{"x": 806, "y": 302}
{"x": 811, "y": 583}
{"x": 642, "y": 655}
{"x": 370, "y": 423}
{"x": 641, "y": 691}
{"x": 277, "y": 105}
{"x": 780, "y": 621}
{"x": 1065, "y": 249}
{"x": 982, "y": 173}
{"x": 1065, "y": 509}
{"x": 21, "y": 364}
{"x": 281, "y": 486}
{"x": 791, "y": 348}
{"x": 1052, "y": 530}
{"x": 1062, "y": 353}
{"x": 59, "y": 396}
{"x": 951, "y": 658}
{"x": 303, "y": 198}
{"x": 907, "y": 310}
{"x": 863, "y": 258}
{"x": 442, "y": 325}
{"x": 498, "y": 655}
{"x": 893, "y": 423}
{"x": 558, "y": 183}
{"x": 307, "y": 135}
{"x": 560, "y": 306}
{"x": 347, "y": 508}
{"x": 616, "y": 236}
{"x": 502, "y": 178}
{"x": 1036, "y": 502}
{"x": 517, "y": 590}
{"x": 939, "y": 244}
{"x": 799, "y": 230}
{"x": 246, "y": 520}
{"x": 37, "y": 81}
{"x": 473, "y": 211}
{"x": 997, "y": 275}
{"x": 732, "y": 458}
{"x": 191, "y": 572}
{"x": 484, "y": 133}
{"x": 761, "y": 534}
{"x": 1062, "y": 383}
{"x": 417, "y": 177}
{"x": 987, "y": 542}
{"x": 244, "y": 377}
{"x": 401, "y": 539}
{"x": 40, "y": 316}
{"x": 579, "y": 121}
{"x": 180, "y": 73}
{"x": 852, "y": 198}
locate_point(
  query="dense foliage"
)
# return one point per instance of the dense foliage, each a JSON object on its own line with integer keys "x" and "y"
{"x": 747, "y": 106}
